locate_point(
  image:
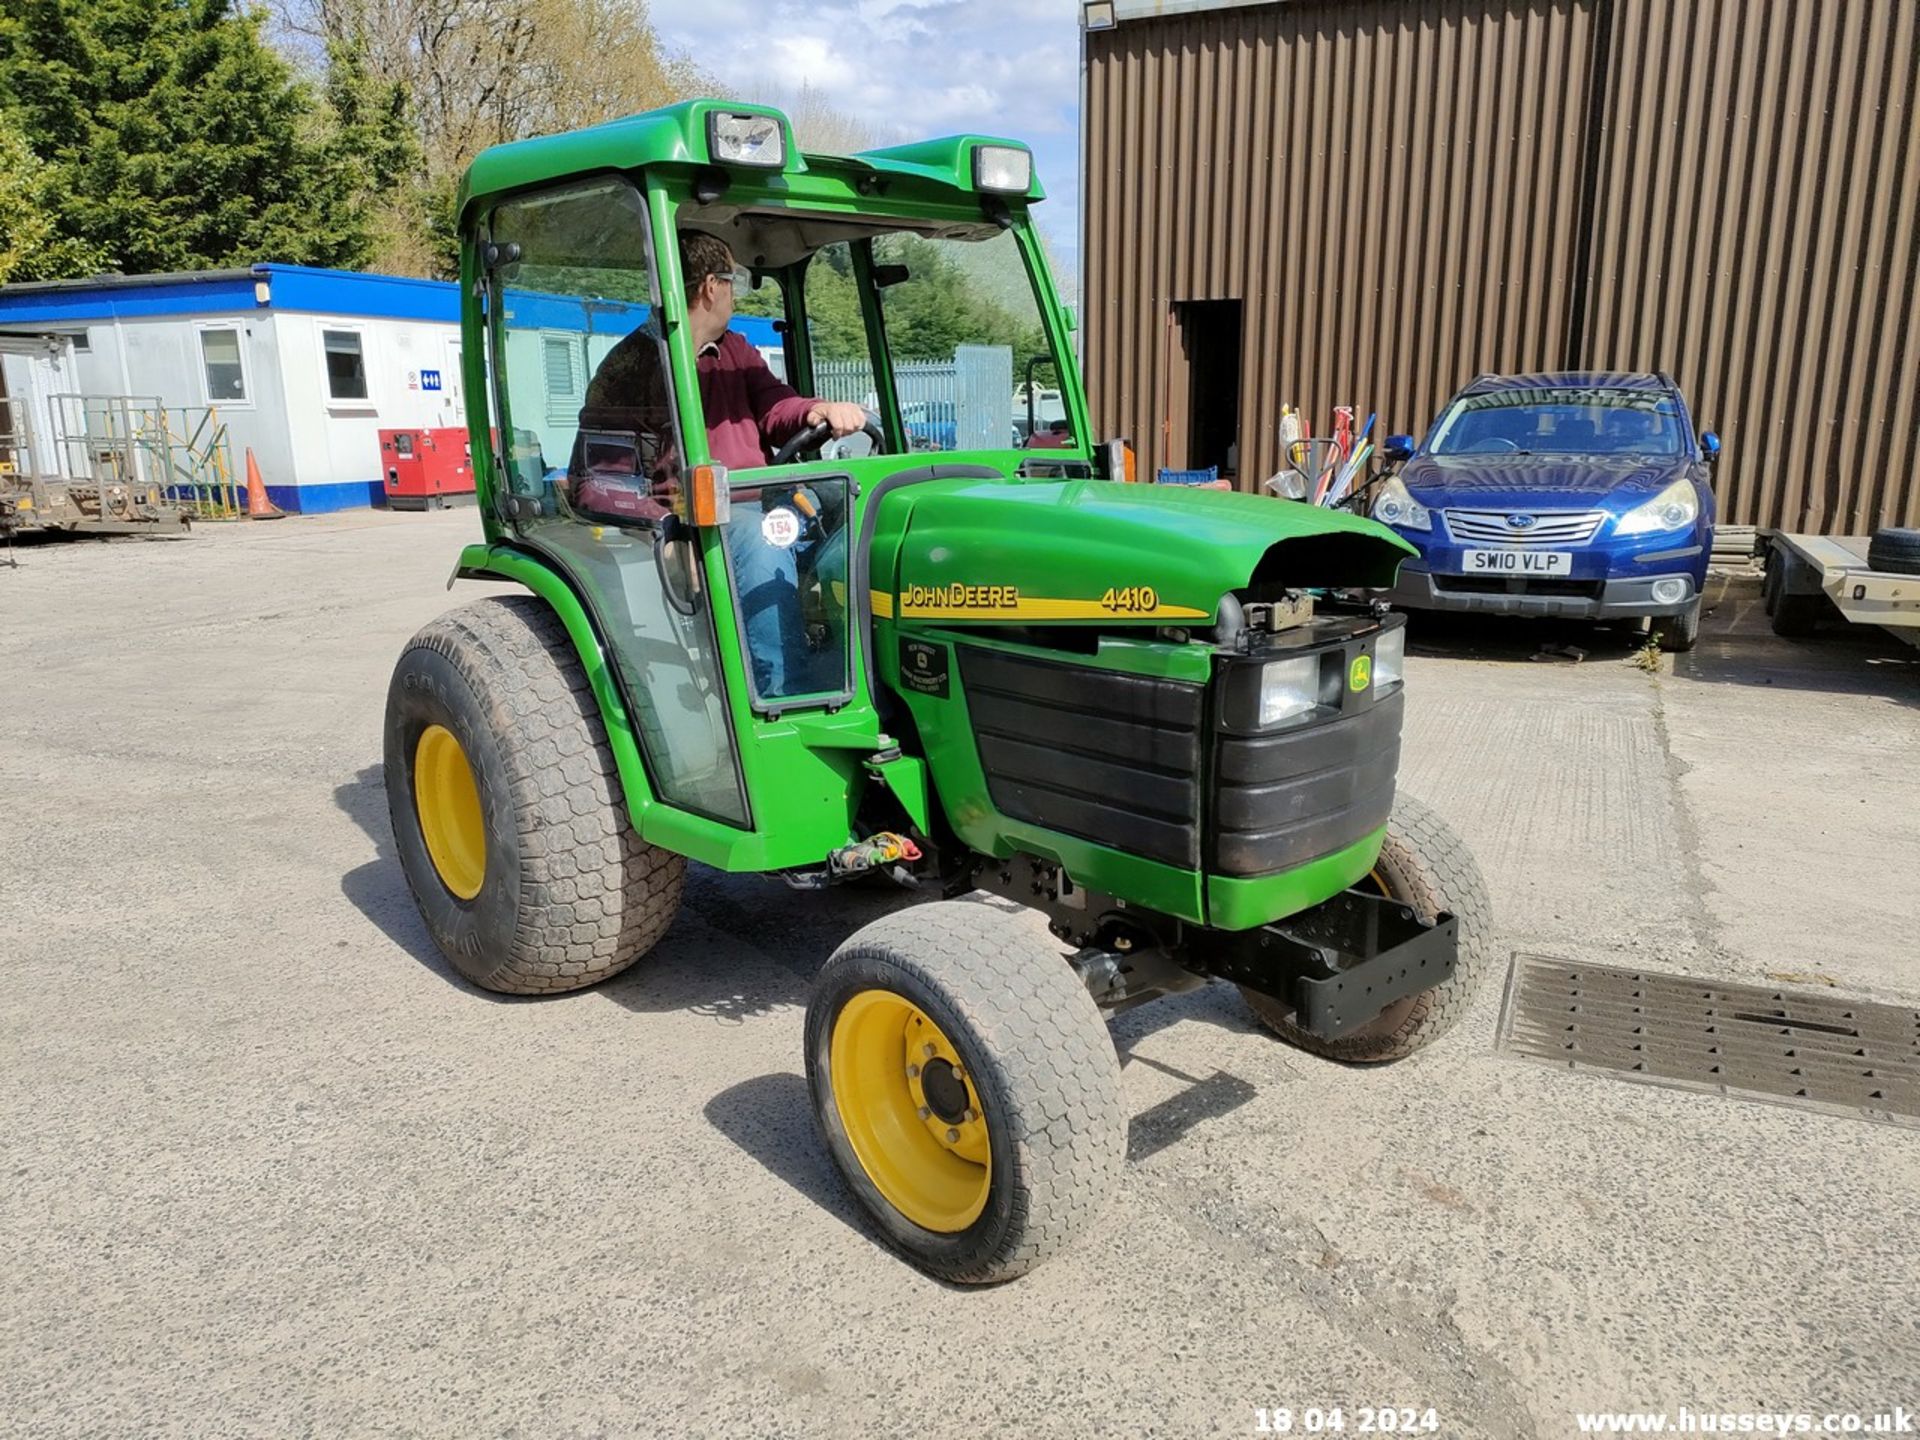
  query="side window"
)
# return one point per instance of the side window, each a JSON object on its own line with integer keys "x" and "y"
{"x": 580, "y": 360}
{"x": 582, "y": 389}
{"x": 346, "y": 365}
{"x": 226, "y": 374}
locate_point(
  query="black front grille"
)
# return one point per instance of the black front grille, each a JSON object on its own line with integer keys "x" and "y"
{"x": 1106, "y": 756}
{"x": 1294, "y": 795}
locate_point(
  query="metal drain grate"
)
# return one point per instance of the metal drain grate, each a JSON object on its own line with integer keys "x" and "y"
{"x": 1826, "y": 1052}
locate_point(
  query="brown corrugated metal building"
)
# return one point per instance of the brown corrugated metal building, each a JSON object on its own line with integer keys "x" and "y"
{"x": 1371, "y": 201}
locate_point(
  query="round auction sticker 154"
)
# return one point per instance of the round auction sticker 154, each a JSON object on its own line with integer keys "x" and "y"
{"x": 780, "y": 527}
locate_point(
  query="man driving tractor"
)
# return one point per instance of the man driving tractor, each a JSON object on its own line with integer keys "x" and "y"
{"x": 749, "y": 411}
{"x": 749, "y": 414}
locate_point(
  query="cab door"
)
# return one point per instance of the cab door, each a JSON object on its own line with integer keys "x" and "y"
{"x": 584, "y": 395}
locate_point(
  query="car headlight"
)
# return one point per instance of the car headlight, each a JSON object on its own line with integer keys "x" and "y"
{"x": 1394, "y": 506}
{"x": 1289, "y": 688}
{"x": 1674, "y": 508}
{"x": 1390, "y": 657}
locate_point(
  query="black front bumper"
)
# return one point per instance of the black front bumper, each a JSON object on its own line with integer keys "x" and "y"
{"x": 1339, "y": 964}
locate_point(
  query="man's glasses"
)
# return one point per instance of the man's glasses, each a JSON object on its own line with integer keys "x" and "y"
{"x": 737, "y": 277}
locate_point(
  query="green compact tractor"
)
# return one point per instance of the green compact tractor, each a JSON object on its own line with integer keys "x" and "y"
{"x": 935, "y": 652}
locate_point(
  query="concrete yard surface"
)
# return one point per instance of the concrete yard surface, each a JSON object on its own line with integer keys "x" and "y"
{"x": 272, "y": 1170}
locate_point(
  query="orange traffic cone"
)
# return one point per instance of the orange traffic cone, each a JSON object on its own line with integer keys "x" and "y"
{"x": 258, "y": 506}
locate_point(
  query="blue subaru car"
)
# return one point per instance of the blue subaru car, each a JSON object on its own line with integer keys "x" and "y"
{"x": 1583, "y": 495}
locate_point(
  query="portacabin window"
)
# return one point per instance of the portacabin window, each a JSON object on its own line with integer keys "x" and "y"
{"x": 346, "y": 359}
{"x": 223, "y": 365}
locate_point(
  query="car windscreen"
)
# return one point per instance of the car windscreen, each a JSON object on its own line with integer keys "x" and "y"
{"x": 1561, "y": 421}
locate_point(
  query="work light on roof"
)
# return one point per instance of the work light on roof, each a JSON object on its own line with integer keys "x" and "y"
{"x": 1006, "y": 168}
{"x": 735, "y": 139}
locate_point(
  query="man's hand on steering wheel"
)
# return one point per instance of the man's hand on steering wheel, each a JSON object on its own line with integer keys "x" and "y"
{"x": 839, "y": 416}
{"x": 831, "y": 415}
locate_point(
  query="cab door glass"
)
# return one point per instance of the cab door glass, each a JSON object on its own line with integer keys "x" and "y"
{"x": 592, "y": 456}
{"x": 787, "y": 556}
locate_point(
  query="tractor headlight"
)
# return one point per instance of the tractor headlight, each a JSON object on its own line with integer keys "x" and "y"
{"x": 1289, "y": 688}
{"x": 1674, "y": 508}
{"x": 1394, "y": 506}
{"x": 1390, "y": 657}
{"x": 1005, "y": 168}
{"x": 746, "y": 140}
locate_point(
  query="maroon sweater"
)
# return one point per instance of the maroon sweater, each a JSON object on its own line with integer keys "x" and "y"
{"x": 750, "y": 412}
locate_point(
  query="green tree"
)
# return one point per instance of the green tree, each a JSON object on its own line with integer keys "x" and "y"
{"x": 172, "y": 138}
{"x": 373, "y": 140}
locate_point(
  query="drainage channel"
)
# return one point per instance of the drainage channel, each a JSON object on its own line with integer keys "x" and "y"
{"x": 1823, "y": 1052}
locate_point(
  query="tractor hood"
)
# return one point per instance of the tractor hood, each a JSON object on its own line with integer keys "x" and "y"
{"x": 1053, "y": 551}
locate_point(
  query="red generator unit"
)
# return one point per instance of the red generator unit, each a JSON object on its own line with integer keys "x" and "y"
{"x": 426, "y": 469}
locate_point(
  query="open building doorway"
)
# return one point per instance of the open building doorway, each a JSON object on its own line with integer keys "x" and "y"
{"x": 1210, "y": 344}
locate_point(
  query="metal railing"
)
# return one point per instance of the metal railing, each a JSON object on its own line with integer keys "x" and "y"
{"x": 964, "y": 403}
{"x": 182, "y": 451}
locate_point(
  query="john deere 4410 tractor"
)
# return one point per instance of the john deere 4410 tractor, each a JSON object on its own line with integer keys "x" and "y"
{"x": 944, "y": 651}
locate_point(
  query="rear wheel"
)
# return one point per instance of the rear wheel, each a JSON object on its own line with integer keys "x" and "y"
{"x": 1424, "y": 865}
{"x": 966, "y": 1087}
{"x": 507, "y": 810}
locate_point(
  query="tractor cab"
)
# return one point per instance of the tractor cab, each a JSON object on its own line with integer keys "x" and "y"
{"x": 907, "y": 281}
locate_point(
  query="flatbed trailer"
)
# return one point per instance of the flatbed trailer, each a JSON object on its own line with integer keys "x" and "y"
{"x": 1807, "y": 573}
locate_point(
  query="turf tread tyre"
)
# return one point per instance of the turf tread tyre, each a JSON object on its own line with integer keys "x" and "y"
{"x": 1894, "y": 550}
{"x": 1429, "y": 867}
{"x": 572, "y": 895}
{"x": 1680, "y": 633}
{"x": 1039, "y": 1049}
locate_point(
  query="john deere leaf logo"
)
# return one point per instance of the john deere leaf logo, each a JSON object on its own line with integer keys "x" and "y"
{"x": 1361, "y": 675}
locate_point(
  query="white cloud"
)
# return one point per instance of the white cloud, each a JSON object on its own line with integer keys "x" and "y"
{"x": 906, "y": 69}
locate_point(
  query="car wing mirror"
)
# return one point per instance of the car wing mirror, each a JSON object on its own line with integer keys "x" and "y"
{"x": 1396, "y": 449}
{"x": 1710, "y": 446}
{"x": 885, "y": 275}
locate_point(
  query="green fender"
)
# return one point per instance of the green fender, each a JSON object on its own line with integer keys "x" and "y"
{"x": 496, "y": 562}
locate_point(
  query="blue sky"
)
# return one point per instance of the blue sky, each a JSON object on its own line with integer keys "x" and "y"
{"x": 907, "y": 69}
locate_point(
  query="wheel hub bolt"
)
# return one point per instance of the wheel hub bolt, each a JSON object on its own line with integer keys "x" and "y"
{"x": 925, "y": 1113}
{"x": 913, "y": 1072}
{"x": 969, "y": 1115}
{"x": 952, "y": 1136}
{"x": 928, "y": 1051}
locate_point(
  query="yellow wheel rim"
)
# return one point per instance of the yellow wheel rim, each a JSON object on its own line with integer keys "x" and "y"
{"x": 911, "y": 1111}
{"x": 448, "y": 804}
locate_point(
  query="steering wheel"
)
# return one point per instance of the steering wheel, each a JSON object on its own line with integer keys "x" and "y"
{"x": 814, "y": 436}
{"x": 1493, "y": 445}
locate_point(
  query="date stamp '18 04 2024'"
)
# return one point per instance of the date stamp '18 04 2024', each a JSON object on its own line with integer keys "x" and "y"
{"x": 1346, "y": 1419}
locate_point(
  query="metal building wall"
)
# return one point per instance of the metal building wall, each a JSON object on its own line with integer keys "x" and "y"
{"x": 1404, "y": 193}
{"x": 1389, "y": 188}
{"x": 1755, "y": 234}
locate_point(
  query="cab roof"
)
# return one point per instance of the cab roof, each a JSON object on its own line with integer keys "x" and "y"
{"x": 676, "y": 136}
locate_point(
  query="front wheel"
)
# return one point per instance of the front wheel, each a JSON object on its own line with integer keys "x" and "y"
{"x": 1680, "y": 633}
{"x": 1425, "y": 865}
{"x": 966, "y": 1087}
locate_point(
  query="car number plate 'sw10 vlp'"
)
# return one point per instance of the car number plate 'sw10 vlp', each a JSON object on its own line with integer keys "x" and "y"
{"x": 1517, "y": 562}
